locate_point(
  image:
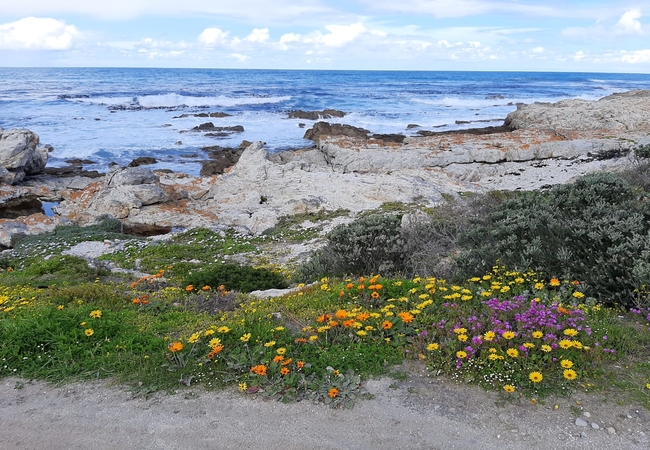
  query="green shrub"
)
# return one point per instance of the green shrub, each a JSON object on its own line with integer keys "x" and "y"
{"x": 236, "y": 278}
{"x": 595, "y": 230}
{"x": 369, "y": 245}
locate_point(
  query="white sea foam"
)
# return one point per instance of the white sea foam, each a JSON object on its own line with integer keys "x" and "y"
{"x": 174, "y": 100}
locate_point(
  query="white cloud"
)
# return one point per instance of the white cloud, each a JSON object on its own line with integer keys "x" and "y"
{"x": 342, "y": 34}
{"x": 579, "y": 55}
{"x": 289, "y": 37}
{"x": 213, "y": 37}
{"x": 629, "y": 23}
{"x": 239, "y": 57}
{"x": 538, "y": 50}
{"x": 37, "y": 33}
{"x": 258, "y": 35}
{"x": 636, "y": 57}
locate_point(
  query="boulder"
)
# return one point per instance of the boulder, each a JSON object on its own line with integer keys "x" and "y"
{"x": 209, "y": 126}
{"x": 20, "y": 155}
{"x": 220, "y": 160}
{"x": 142, "y": 161}
{"x": 132, "y": 176}
{"x": 321, "y": 129}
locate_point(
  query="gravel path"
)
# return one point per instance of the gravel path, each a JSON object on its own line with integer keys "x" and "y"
{"x": 418, "y": 413}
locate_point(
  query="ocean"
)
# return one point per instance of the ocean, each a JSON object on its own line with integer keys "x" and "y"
{"x": 115, "y": 115}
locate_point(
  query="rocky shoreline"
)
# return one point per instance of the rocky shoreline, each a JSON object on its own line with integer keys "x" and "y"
{"x": 538, "y": 146}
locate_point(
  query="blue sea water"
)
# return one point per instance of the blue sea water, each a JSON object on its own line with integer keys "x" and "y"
{"x": 114, "y": 115}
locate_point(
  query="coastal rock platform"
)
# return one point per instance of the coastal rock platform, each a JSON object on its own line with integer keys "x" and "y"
{"x": 539, "y": 145}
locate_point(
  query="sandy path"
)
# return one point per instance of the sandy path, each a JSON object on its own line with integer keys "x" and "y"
{"x": 419, "y": 413}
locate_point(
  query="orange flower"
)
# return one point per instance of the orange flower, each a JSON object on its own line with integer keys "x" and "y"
{"x": 333, "y": 392}
{"x": 221, "y": 287}
{"x": 387, "y": 325}
{"x": 361, "y": 287}
{"x": 215, "y": 351}
{"x": 300, "y": 364}
{"x": 362, "y": 279}
{"x": 285, "y": 371}
{"x": 259, "y": 369}
{"x": 349, "y": 286}
{"x": 333, "y": 323}
{"x": 323, "y": 318}
{"x": 575, "y": 282}
{"x": 300, "y": 341}
{"x": 363, "y": 316}
{"x": 286, "y": 362}
{"x": 205, "y": 288}
{"x": 407, "y": 317}
{"x": 278, "y": 358}
{"x": 175, "y": 347}
{"x": 375, "y": 295}
{"x": 135, "y": 301}
{"x": 348, "y": 323}
{"x": 189, "y": 288}
{"x": 563, "y": 310}
{"x": 554, "y": 282}
{"x": 342, "y": 293}
{"x": 341, "y": 314}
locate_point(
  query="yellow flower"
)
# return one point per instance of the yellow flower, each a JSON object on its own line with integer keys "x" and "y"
{"x": 546, "y": 348}
{"x": 245, "y": 337}
{"x": 504, "y": 289}
{"x": 209, "y": 332}
{"x": 647, "y": 386}
{"x": 462, "y": 337}
{"x": 60, "y": 307}
{"x": 243, "y": 387}
{"x": 194, "y": 338}
{"x": 539, "y": 286}
{"x": 461, "y": 354}
{"x": 492, "y": 350}
{"x": 214, "y": 342}
{"x": 508, "y": 335}
{"x": 223, "y": 329}
{"x": 279, "y": 328}
{"x": 565, "y": 344}
{"x": 578, "y": 294}
{"x": 554, "y": 282}
{"x": 565, "y": 363}
{"x": 509, "y": 388}
{"x": 537, "y": 334}
{"x": 493, "y": 357}
{"x": 460, "y": 330}
{"x": 489, "y": 336}
{"x": 281, "y": 351}
{"x": 570, "y": 374}
{"x": 513, "y": 352}
{"x": 89, "y": 332}
{"x": 529, "y": 345}
{"x": 570, "y": 332}
{"x": 269, "y": 344}
{"x": 361, "y": 333}
{"x": 536, "y": 377}
{"x": 433, "y": 347}
{"x": 313, "y": 338}
{"x": 96, "y": 314}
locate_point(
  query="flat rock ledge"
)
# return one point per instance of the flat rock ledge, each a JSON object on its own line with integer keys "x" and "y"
{"x": 540, "y": 145}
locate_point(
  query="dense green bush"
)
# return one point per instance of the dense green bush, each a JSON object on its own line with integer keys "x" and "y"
{"x": 370, "y": 245}
{"x": 236, "y": 278}
{"x": 595, "y": 230}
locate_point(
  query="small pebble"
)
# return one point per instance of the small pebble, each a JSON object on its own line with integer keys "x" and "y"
{"x": 594, "y": 425}
{"x": 581, "y": 423}
{"x": 611, "y": 430}
{"x": 583, "y": 434}
{"x": 587, "y": 415}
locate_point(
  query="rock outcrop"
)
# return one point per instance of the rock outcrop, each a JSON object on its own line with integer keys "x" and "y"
{"x": 20, "y": 155}
{"x": 316, "y": 115}
{"x": 349, "y": 168}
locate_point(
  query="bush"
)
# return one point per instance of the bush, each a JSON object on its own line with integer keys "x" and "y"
{"x": 369, "y": 245}
{"x": 236, "y": 278}
{"x": 594, "y": 230}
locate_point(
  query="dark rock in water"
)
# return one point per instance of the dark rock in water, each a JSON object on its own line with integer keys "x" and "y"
{"x": 412, "y": 125}
{"x": 335, "y": 129}
{"x": 301, "y": 125}
{"x": 315, "y": 115}
{"x": 219, "y": 134}
{"x": 79, "y": 162}
{"x": 71, "y": 171}
{"x": 220, "y": 160}
{"x": 178, "y": 143}
{"x": 474, "y": 131}
{"x": 190, "y": 155}
{"x": 462, "y": 122}
{"x": 399, "y": 138}
{"x": 218, "y": 114}
{"x": 209, "y": 126}
{"x": 142, "y": 161}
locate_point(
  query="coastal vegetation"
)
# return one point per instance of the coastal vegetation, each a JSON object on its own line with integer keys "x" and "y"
{"x": 527, "y": 294}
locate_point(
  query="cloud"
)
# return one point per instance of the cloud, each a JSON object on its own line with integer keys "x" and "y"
{"x": 636, "y": 57}
{"x": 213, "y": 37}
{"x": 239, "y": 57}
{"x": 37, "y": 34}
{"x": 463, "y": 8}
{"x": 629, "y": 23}
{"x": 338, "y": 36}
{"x": 259, "y": 35}
{"x": 250, "y": 10}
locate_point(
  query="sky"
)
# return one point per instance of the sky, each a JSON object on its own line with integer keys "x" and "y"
{"x": 484, "y": 35}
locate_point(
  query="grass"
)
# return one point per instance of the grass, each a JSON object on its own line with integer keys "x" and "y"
{"x": 322, "y": 341}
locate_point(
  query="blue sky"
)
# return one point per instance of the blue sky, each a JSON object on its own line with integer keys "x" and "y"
{"x": 525, "y": 35}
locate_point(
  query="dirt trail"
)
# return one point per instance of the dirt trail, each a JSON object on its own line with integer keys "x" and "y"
{"x": 417, "y": 413}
